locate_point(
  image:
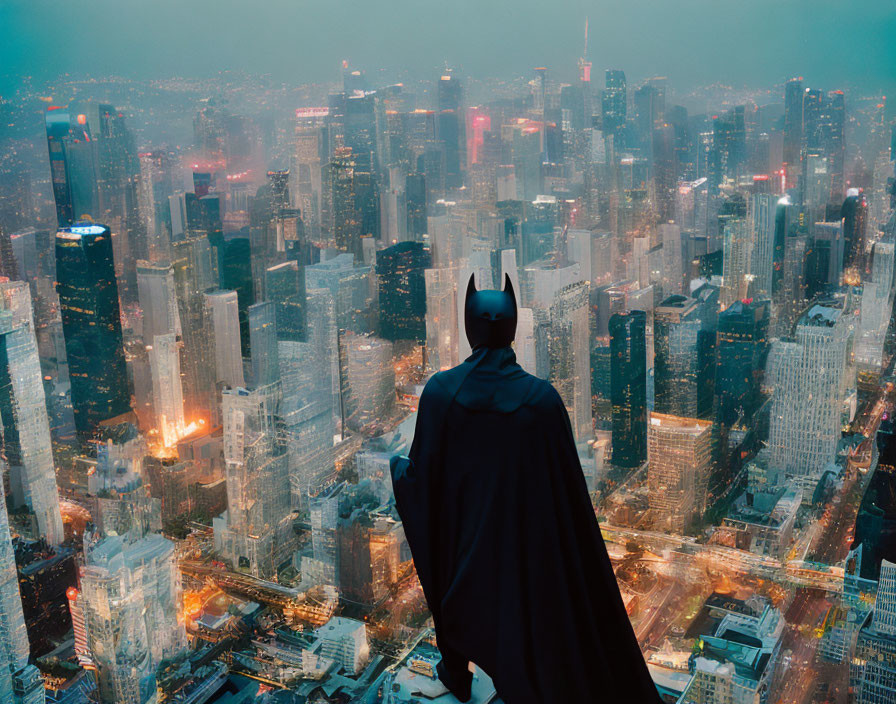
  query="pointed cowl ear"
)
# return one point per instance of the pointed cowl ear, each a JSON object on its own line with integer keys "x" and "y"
{"x": 508, "y": 289}
{"x": 471, "y": 289}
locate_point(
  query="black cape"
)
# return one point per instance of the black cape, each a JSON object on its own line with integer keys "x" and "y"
{"x": 507, "y": 546}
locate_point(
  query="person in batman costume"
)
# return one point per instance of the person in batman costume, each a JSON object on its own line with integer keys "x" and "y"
{"x": 503, "y": 534}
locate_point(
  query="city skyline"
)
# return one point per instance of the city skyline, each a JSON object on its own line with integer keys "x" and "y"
{"x": 236, "y": 244}
{"x": 305, "y": 42}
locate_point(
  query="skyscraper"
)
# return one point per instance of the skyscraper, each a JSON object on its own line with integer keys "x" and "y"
{"x": 679, "y": 452}
{"x": 284, "y": 286}
{"x": 263, "y": 343}
{"x": 167, "y": 389}
{"x": 873, "y": 667}
{"x": 402, "y": 286}
{"x": 127, "y": 607}
{"x": 812, "y": 372}
{"x": 793, "y": 130}
{"x": 16, "y": 676}
{"x": 158, "y": 299}
{"x": 91, "y": 324}
{"x": 614, "y": 102}
{"x": 764, "y": 254}
{"x": 23, "y": 412}
{"x": 628, "y": 387}
{"x": 441, "y": 318}
{"x": 570, "y": 357}
{"x": 736, "y": 255}
{"x": 451, "y": 128}
{"x": 225, "y": 325}
{"x": 742, "y": 344}
{"x": 684, "y": 331}
{"x": 255, "y": 534}
{"x": 855, "y": 215}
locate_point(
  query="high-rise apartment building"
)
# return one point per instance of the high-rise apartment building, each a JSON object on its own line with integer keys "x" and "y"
{"x": 812, "y": 372}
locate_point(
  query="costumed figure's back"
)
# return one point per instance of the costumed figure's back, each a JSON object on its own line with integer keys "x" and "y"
{"x": 504, "y": 537}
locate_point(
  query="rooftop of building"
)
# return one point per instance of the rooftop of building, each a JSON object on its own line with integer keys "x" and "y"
{"x": 684, "y": 426}
{"x": 823, "y": 312}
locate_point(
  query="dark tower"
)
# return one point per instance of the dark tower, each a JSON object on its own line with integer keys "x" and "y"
{"x": 91, "y": 324}
{"x": 628, "y": 387}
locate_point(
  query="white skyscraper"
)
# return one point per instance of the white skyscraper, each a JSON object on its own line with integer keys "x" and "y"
{"x": 226, "y": 326}
{"x": 812, "y": 373}
{"x": 762, "y": 221}
{"x": 15, "y": 673}
{"x": 167, "y": 389}
{"x": 736, "y": 255}
{"x": 23, "y": 412}
{"x": 872, "y": 672}
{"x": 256, "y": 531}
{"x": 345, "y": 641}
{"x": 441, "y": 318}
{"x": 127, "y": 609}
{"x": 570, "y": 361}
{"x": 524, "y": 343}
{"x": 673, "y": 258}
{"x": 877, "y": 306}
{"x": 158, "y": 300}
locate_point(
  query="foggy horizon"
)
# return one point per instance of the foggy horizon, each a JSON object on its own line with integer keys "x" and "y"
{"x": 305, "y": 43}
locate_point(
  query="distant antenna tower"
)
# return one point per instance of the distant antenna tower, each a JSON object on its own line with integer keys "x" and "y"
{"x": 584, "y": 63}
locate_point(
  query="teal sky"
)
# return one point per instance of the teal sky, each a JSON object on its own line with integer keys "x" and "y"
{"x": 833, "y": 44}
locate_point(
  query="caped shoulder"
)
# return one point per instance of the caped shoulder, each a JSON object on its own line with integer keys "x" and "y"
{"x": 544, "y": 396}
{"x": 539, "y": 393}
{"x": 437, "y": 386}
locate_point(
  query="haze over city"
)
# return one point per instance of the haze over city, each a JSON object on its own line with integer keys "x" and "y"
{"x": 237, "y": 243}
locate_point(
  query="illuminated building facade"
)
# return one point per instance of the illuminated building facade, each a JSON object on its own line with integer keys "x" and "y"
{"x": 679, "y": 455}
